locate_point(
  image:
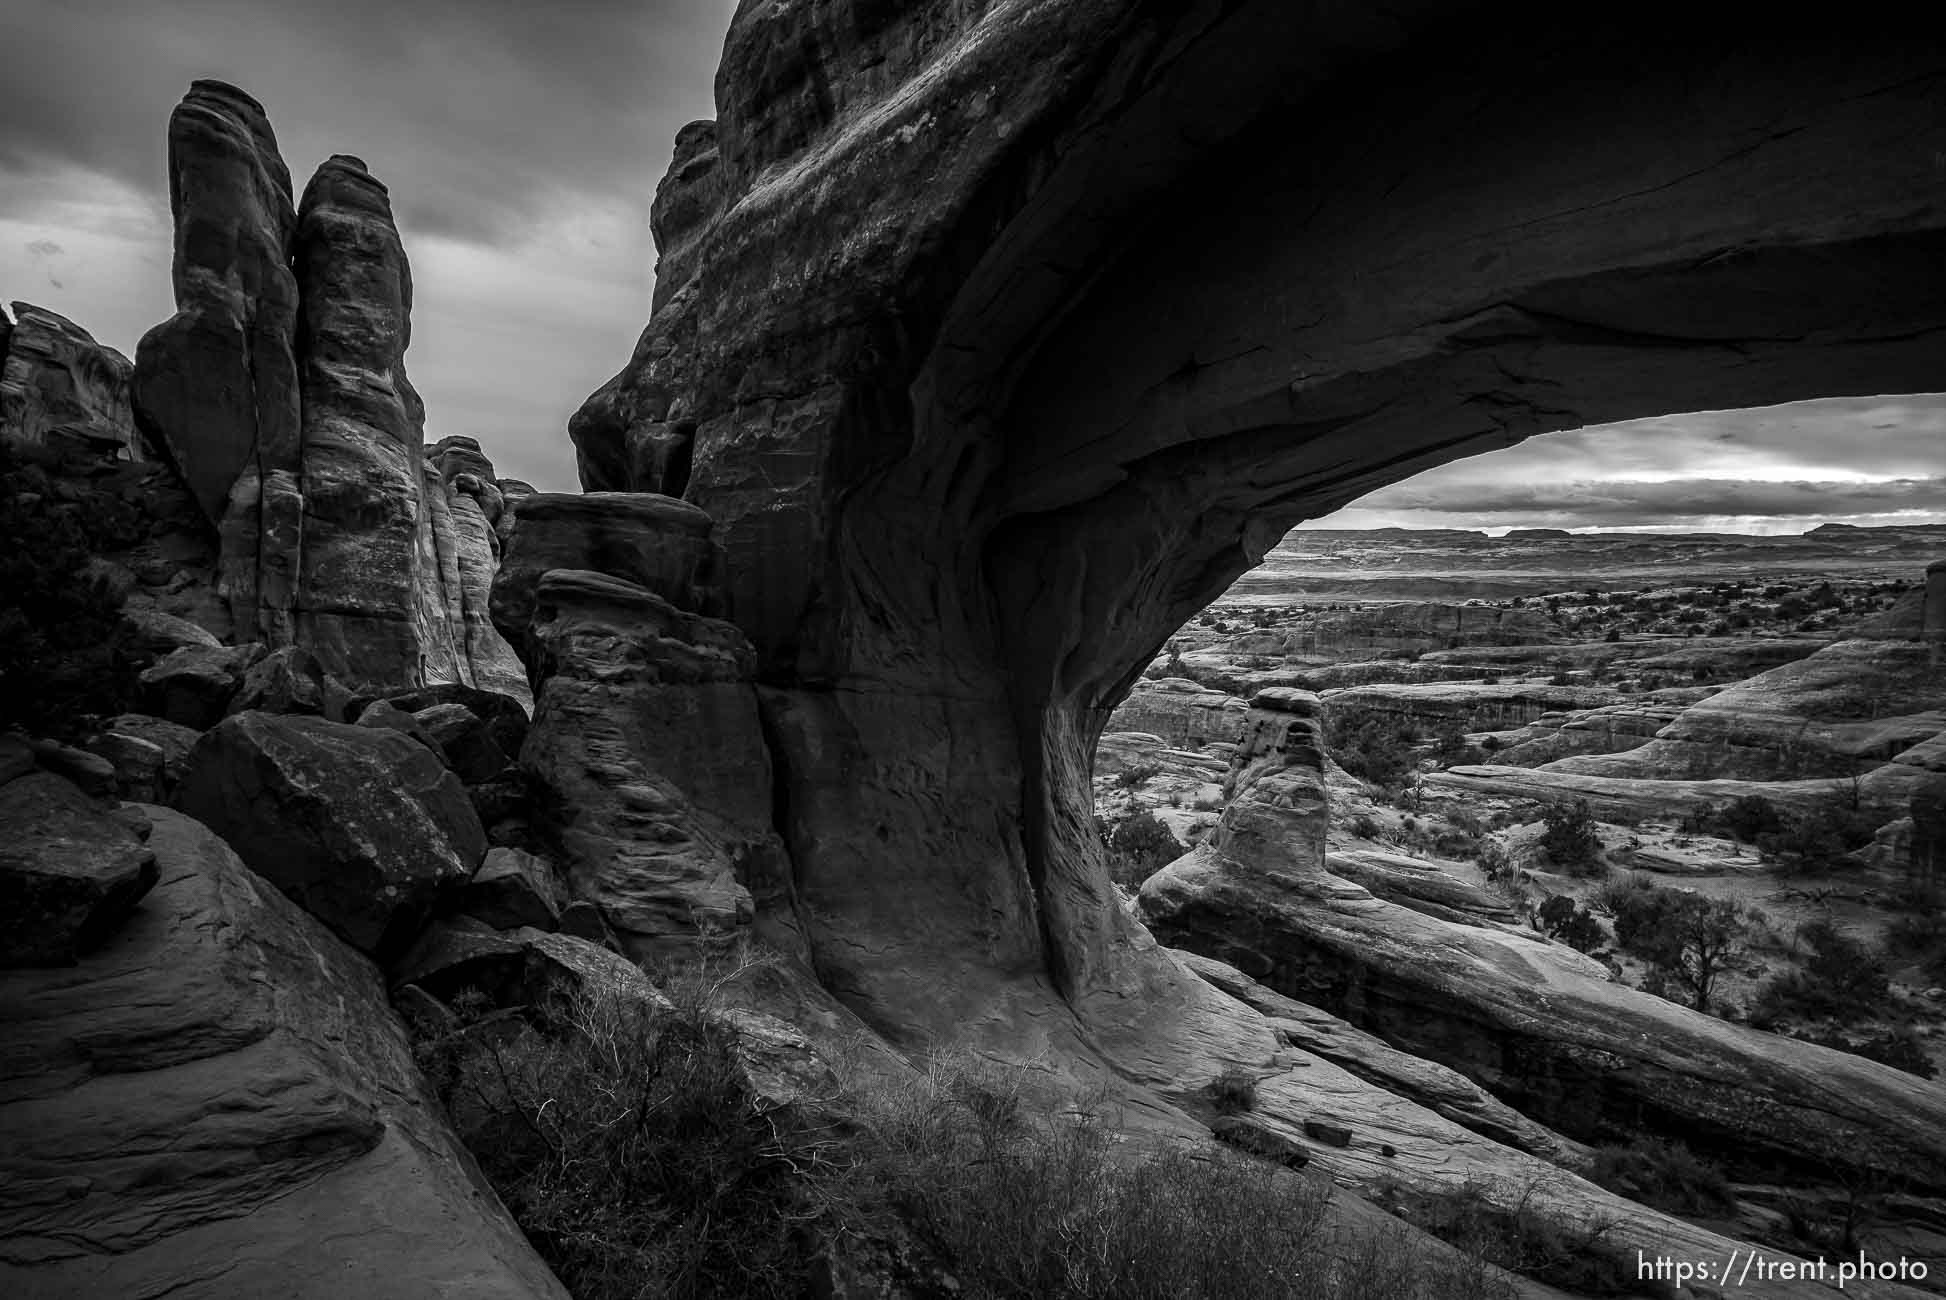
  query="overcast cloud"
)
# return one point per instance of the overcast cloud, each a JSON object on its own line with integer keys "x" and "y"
{"x": 522, "y": 143}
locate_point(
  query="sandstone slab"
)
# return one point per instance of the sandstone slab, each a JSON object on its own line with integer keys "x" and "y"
{"x": 219, "y": 1103}
{"x": 361, "y": 827}
{"x": 69, "y": 872}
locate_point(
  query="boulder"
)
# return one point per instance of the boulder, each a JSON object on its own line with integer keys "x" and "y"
{"x": 506, "y": 716}
{"x": 465, "y": 740}
{"x": 287, "y": 680}
{"x": 92, "y": 772}
{"x": 58, "y": 386}
{"x": 69, "y": 872}
{"x": 360, "y": 827}
{"x": 193, "y": 686}
{"x": 16, "y": 756}
{"x": 512, "y": 888}
{"x": 154, "y": 632}
{"x": 218, "y": 1102}
{"x": 381, "y": 715}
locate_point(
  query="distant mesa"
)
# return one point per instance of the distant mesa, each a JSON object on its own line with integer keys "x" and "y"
{"x": 1537, "y": 534}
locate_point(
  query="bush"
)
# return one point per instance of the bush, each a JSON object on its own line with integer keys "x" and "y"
{"x": 1616, "y": 894}
{"x": 1750, "y": 817}
{"x": 1580, "y": 1260}
{"x": 1233, "y": 1092}
{"x": 626, "y": 1142}
{"x": 1689, "y": 942}
{"x": 1138, "y": 847}
{"x": 1370, "y": 745}
{"x": 1064, "y": 1211}
{"x": 1840, "y": 980}
{"x": 64, "y": 653}
{"x": 1665, "y": 1175}
{"x": 1814, "y": 839}
{"x": 1135, "y": 774}
{"x": 1561, "y": 918}
{"x": 1899, "y": 1048}
{"x": 1569, "y": 841}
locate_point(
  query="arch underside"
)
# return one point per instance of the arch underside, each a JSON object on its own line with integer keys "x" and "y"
{"x": 1256, "y": 265}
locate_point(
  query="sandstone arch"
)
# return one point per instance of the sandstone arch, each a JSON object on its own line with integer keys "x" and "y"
{"x": 999, "y": 338}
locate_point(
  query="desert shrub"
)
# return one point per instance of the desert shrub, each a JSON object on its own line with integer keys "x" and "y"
{"x": 1689, "y": 942}
{"x": 1451, "y": 747}
{"x": 1138, "y": 847}
{"x": 64, "y": 654}
{"x": 1494, "y": 861}
{"x": 626, "y": 1141}
{"x": 1814, "y": 839}
{"x": 1135, "y": 774}
{"x": 1665, "y": 1175}
{"x": 1840, "y": 979}
{"x": 1619, "y": 892}
{"x": 1560, "y": 917}
{"x": 1017, "y": 1209}
{"x": 1580, "y": 1259}
{"x": 1366, "y": 827}
{"x": 1750, "y": 816}
{"x": 1368, "y": 744}
{"x": 1569, "y": 840}
{"x": 1232, "y": 1092}
{"x": 1919, "y": 934}
{"x": 1899, "y": 1048}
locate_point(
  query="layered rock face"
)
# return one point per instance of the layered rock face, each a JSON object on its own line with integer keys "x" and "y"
{"x": 1842, "y": 711}
{"x": 279, "y": 392}
{"x": 999, "y": 341}
{"x": 1406, "y": 627}
{"x": 58, "y": 385}
{"x": 1181, "y": 712}
{"x": 1539, "y": 1026}
{"x": 218, "y": 1102}
{"x": 647, "y": 747}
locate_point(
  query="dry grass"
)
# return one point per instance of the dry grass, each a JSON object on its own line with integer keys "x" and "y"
{"x": 627, "y": 1143}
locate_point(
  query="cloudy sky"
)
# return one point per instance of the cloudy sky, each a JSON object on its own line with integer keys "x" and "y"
{"x": 522, "y": 142}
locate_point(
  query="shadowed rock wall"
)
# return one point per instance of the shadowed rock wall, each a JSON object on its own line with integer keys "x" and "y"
{"x": 999, "y": 339}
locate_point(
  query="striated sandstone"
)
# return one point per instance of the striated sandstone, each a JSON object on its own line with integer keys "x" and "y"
{"x": 1537, "y": 1025}
{"x": 216, "y": 385}
{"x": 1184, "y": 714}
{"x": 1847, "y": 708}
{"x": 649, "y": 755}
{"x": 219, "y": 1103}
{"x": 59, "y": 386}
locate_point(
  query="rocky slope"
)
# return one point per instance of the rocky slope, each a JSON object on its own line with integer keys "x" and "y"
{"x": 1538, "y": 1025}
